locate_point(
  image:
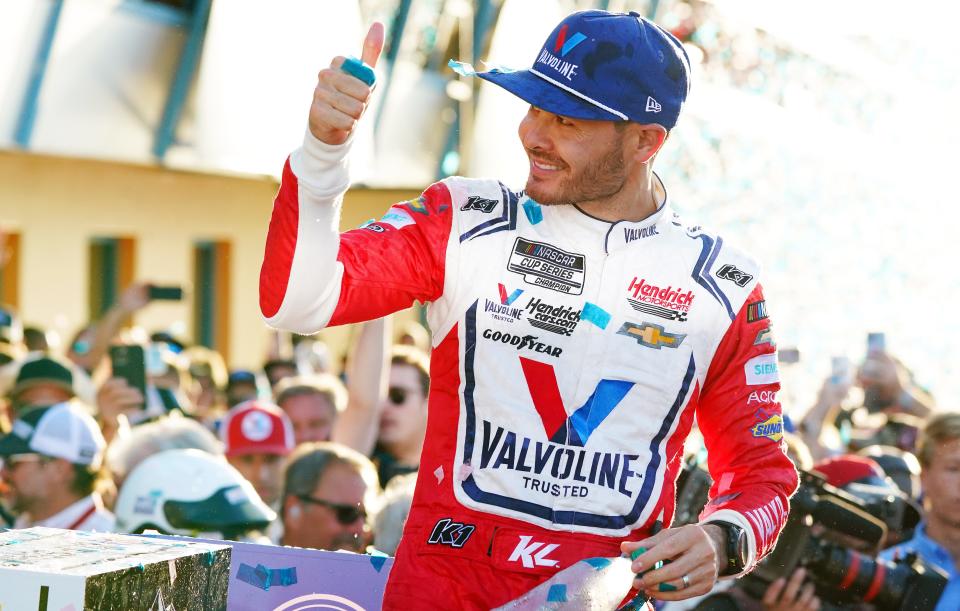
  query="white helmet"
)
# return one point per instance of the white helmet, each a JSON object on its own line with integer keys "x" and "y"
{"x": 190, "y": 492}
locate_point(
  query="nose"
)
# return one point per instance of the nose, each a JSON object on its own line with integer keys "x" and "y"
{"x": 533, "y": 130}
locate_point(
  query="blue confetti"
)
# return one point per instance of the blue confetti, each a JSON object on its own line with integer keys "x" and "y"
{"x": 378, "y": 562}
{"x": 557, "y": 593}
{"x": 534, "y": 213}
{"x": 598, "y": 563}
{"x": 596, "y": 315}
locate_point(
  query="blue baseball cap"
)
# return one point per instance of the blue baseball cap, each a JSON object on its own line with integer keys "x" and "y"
{"x": 604, "y": 66}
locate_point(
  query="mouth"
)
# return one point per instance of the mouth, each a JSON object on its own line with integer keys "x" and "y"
{"x": 542, "y": 168}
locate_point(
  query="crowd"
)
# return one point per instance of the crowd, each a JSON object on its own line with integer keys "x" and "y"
{"x": 298, "y": 453}
{"x": 127, "y": 431}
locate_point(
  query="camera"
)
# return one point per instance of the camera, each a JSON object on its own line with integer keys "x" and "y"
{"x": 834, "y": 534}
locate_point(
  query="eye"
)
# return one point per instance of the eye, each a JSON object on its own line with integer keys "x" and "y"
{"x": 564, "y": 121}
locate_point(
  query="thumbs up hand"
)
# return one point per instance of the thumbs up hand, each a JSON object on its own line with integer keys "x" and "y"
{"x": 340, "y": 99}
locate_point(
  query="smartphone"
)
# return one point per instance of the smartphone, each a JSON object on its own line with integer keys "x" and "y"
{"x": 165, "y": 293}
{"x": 876, "y": 342}
{"x": 128, "y": 362}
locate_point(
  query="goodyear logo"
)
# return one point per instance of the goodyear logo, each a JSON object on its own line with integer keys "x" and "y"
{"x": 771, "y": 428}
{"x": 651, "y": 336}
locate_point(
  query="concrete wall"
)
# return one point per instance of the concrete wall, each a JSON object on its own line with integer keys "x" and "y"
{"x": 58, "y": 204}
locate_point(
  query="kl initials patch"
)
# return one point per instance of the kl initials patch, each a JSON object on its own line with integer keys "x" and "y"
{"x": 651, "y": 336}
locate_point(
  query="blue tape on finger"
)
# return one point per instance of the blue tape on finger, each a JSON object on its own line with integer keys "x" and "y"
{"x": 356, "y": 68}
{"x": 595, "y": 314}
{"x": 264, "y": 578}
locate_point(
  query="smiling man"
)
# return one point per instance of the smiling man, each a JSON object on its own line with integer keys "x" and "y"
{"x": 578, "y": 327}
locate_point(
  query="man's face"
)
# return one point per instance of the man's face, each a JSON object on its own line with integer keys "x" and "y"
{"x": 26, "y": 478}
{"x": 279, "y": 372}
{"x": 312, "y": 416}
{"x": 571, "y": 160}
{"x": 320, "y": 526}
{"x": 941, "y": 484}
{"x": 264, "y": 471}
{"x": 403, "y": 419}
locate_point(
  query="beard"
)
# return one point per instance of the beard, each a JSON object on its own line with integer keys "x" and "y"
{"x": 603, "y": 177}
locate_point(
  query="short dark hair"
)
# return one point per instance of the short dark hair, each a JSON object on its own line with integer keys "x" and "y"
{"x": 310, "y": 461}
{"x": 87, "y": 480}
{"x": 324, "y": 384}
{"x": 416, "y": 358}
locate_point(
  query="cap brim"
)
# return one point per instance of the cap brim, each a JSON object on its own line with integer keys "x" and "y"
{"x": 10, "y": 444}
{"x": 545, "y": 95}
{"x": 275, "y": 450}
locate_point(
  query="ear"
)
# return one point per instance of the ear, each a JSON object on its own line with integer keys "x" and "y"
{"x": 292, "y": 511}
{"x": 647, "y": 140}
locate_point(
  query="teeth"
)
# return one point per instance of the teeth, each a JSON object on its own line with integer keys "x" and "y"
{"x": 544, "y": 166}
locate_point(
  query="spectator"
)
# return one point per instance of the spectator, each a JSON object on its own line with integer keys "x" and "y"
{"x": 257, "y": 436}
{"x": 277, "y": 370}
{"x": 52, "y": 463}
{"x": 38, "y": 339}
{"x": 394, "y": 509}
{"x": 313, "y": 404}
{"x": 414, "y": 334}
{"x": 190, "y": 492}
{"x": 209, "y": 372}
{"x": 90, "y": 344}
{"x": 242, "y": 386}
{"x": 937, "y": 539}
{"x": 900, "y": 466}
{"x": 11, "y": 331}
{"x": 42, "y": 380}
{"x": 172, "y": 432}
{"x": 403, "y": 420}
{"x": 328, "y": 490}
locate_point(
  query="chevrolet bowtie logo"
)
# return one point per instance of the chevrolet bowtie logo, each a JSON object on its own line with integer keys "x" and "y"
{"x": 651, "y": 336}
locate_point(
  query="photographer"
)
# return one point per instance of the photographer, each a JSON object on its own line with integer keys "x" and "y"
{"x": 937, "y": 538}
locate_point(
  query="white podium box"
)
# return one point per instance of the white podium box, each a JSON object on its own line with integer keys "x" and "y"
{"x": 48, "y": 569}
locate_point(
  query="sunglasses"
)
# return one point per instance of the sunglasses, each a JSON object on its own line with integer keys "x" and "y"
{"x": 345, "y": 514}
{"x": 398, "y": 395}
{"x": 11, "y": 461}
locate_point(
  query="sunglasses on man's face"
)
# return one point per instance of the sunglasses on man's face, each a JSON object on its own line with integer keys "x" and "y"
{"x": 345, "y": 514}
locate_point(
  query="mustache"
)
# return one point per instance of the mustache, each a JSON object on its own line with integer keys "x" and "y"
{"x": 545, "y": 159}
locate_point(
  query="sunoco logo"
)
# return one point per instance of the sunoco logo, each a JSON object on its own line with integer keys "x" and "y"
{"x": 555, "y": 319}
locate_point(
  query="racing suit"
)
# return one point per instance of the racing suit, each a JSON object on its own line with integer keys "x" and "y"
{"x": 570, "y": 358}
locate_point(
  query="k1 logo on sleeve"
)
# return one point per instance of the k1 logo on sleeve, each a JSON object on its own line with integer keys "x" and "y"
{"x": 762, "y": 370}
{"x": 733, "y": 274}
{"x": 547, "y": 266}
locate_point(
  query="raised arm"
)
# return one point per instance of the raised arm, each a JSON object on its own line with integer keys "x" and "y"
{"x": 367, "y": 372}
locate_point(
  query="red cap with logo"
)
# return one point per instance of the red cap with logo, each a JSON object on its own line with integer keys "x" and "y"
{"x": 848, "y": 469}
{"x": 256, "y": 427}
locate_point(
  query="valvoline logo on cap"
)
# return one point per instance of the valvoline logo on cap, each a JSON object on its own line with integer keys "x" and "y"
{"x": 561, "y": 46}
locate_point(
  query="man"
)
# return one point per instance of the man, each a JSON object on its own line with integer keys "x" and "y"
{"x": 242, "y": 386}
{"x": 578, "y": 329}
{"x": 312, "y": 404}
{"x": 937, "y": 539}
{"x": 278, "y": 370}
{"x": 327, "y": 491}
{"x": 41, "y": 380}
{"x": 257, "y": 436}
{"x": 403, "y": 415}
{"x": 51, "y": 465}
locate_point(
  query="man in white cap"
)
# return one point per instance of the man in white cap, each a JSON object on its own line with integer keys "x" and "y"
{"x": 51, "y": 463}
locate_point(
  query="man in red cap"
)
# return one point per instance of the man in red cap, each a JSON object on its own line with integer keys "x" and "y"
{"x": 257, "y": 436}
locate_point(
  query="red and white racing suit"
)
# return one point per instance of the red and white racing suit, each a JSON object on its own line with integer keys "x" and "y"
{"x": 570, "y": 358}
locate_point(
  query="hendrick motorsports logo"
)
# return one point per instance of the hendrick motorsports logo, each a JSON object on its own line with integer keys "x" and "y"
{"x": 664, "y": 302}
{"x": 547, "y": 266}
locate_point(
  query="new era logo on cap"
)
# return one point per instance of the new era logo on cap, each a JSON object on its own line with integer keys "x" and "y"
{"x": 653, "y": 105}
